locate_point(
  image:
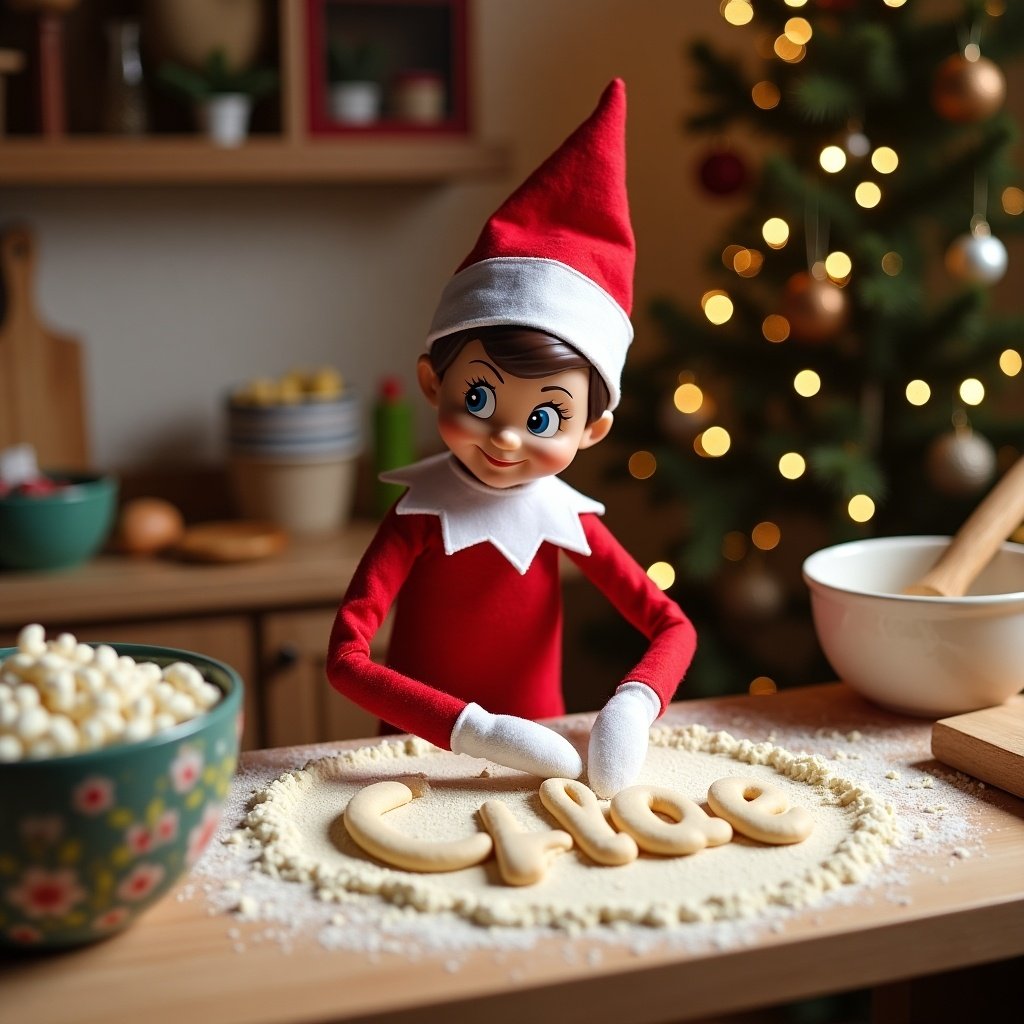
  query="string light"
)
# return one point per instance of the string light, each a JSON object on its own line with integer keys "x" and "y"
{"x": 892, "y": 263}
{"x": 994, "y": 8}
{"x": 737, "y": 12}
{"x": 832, "y": 159}
{"x": 785, "y": 49}
{"x": 775, "y": 232}
{"x": 972, "y": 391}
{"x": 918, "y": 392}
{"x": 734, "y": 546}
{"x": 867, "y": 194}
{"x": 860, "y": 508}
{"x": 775, "y": 328}
{"x": 806, "y": 383}
{"x": 894, "y": 3}
{"x": 884, "y": 160}
{"x": 766, "y": 536}
{"x": 796, "y": 3}
{"x": 1013, "y": 201}
{"x": 762, "y": 686}
{"x": 729, "y": 254}
{"x": 717, "y": 306}
{"x": 662, "y": 575}
{"x": 766, "y": 95}
{"x": 642, "y": 465}
{"x": 838, "y": 266}
{"x": 792, "y": 465}
{"x": 1010, "y": 362}
{"x": 688, "y": 398}
{"x": 798, "y": 30}
{"x": 714, "y": 442}
{"x": 747, "y": 262}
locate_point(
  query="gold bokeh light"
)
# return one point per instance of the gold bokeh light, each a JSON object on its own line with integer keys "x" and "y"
{"x": 972, "y": 391}
{"x": 642, "y": 465}
{"x": 867, "y": 194}
{"x": 918, "y": 392}
{"x": 715, "y": 441}
{"x": 792, "y": 465}
{"x": 860, "y": 508}
{"x": 775, "y": 328}
{"x": 807, "y": 383}
{"x": 775, "y": 232}
{"x": 838, "y": 265}
{"x": 1010, "y": 362}
{"x": 662, "y": 575}
{"x": 688, "y": 398}
{"x": 717, "y": 306}
{"x": 892, "y": 263}
{"x": 884, "y": 160}
{"x": 766, "y": 536}
{"x": 766, "y": 95}
{"x": 832, "y": 159}
{"x": 737, "y": 12}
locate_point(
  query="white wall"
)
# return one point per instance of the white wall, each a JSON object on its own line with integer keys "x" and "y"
{"x": 179, "y": 293}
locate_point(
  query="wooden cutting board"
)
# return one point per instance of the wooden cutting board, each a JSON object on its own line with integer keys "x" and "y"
{"x": 41, "y": 401}
{"x": 987, "y": 744}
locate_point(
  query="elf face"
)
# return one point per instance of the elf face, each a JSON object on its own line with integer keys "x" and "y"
{"x": 508, "y": 430}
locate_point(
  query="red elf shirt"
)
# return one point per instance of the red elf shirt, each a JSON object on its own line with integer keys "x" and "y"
{"x": 473, "y": 574}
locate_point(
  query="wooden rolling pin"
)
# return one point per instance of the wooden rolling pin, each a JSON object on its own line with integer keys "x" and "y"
{"x": 976, "y": 542}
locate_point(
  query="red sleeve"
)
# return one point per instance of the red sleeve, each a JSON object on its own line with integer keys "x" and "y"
{"x": 395, "y": 698}
{"x": 672, "y": 637}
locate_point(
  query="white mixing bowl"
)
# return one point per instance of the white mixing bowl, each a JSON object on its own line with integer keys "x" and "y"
{"x": 927, "y": 656}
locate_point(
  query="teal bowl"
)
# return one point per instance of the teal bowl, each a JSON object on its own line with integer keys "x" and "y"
{"x": 58, "y": 530}
{"x": 88, "y": 842}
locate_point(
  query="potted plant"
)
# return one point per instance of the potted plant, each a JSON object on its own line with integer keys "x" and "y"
{"x": 353, "y": 70}
{"x": 223, "y": 96}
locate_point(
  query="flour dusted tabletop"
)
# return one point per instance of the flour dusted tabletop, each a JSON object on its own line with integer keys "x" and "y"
{"x": 235, "y": 944}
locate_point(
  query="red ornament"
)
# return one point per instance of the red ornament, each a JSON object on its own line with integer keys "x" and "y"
{"x": 723, "y": 172}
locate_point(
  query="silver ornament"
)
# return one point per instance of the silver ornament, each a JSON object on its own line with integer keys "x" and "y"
{"x": 961, "y": 463}
{"x": 977, "y": 257}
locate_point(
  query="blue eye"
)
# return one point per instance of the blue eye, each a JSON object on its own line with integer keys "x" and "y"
{"x": 480, "y": 401}
{"x": 544, "y": 421}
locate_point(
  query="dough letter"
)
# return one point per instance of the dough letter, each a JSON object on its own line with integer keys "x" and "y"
{"x": 523, "y": 857}
{"x": 363, "y": 819}
{"x": 635, "y": 810}
{"x": 576, "y": 809}
{"x": 759, "y": 810}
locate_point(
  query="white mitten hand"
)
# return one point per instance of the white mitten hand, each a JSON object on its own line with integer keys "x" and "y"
{"x": 618, "y": 740}
{"x": 515, "y": 743}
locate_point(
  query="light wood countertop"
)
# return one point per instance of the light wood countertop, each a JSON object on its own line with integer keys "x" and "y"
{"x": 179, "y": 962}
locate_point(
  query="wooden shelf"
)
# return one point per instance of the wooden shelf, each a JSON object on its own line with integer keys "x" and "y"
{"x": 185, "y": 160}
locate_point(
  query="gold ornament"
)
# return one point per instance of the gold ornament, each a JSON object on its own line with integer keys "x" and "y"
{"x": 816, "y": 309}
{"x": 961, "y": 463}
{"x": 968, "y": 90}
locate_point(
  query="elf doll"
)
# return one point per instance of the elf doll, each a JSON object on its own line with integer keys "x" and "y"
{"x": 523, "y": 363}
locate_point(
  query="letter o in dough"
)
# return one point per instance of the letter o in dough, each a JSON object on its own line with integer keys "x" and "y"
{"x": 365, "y": 824}
{"x": 635, "y": 811}
{"x": 759, "y": 810}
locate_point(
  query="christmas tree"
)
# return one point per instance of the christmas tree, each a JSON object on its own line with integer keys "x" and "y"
{"x": 848, "y": 376}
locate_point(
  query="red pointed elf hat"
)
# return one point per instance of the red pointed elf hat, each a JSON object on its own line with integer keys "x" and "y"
{"x": 558, "y": 255}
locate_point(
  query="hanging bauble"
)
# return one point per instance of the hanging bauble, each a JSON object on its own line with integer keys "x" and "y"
{"x": 968, "y": 90}
{"x": 723, "y": 172}
{"x": 750, "y": 592}
{"x": 961, "y": 463}
{"x": 977, "y": 257}
{"x": 816, "y": 309}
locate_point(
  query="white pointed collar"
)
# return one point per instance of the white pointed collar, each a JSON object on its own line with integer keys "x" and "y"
{"x": 516, "y": 520}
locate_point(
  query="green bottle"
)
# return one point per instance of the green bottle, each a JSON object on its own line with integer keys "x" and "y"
{"x": 393, "y": 440}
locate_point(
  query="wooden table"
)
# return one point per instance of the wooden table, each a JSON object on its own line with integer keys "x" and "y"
{"x": 179, "y": 963}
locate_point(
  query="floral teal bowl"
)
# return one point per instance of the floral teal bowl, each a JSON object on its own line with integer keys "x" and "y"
{"x": 90, "y": 841}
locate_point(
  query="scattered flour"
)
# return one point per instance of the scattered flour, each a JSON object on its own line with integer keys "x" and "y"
{"x": 892, "y": 750}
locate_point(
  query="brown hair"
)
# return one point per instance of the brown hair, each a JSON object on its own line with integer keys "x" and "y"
{"x": 527, "y": 353}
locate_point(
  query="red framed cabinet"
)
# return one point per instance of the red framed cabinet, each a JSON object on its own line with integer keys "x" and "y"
{"x": 387, "y": 66}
